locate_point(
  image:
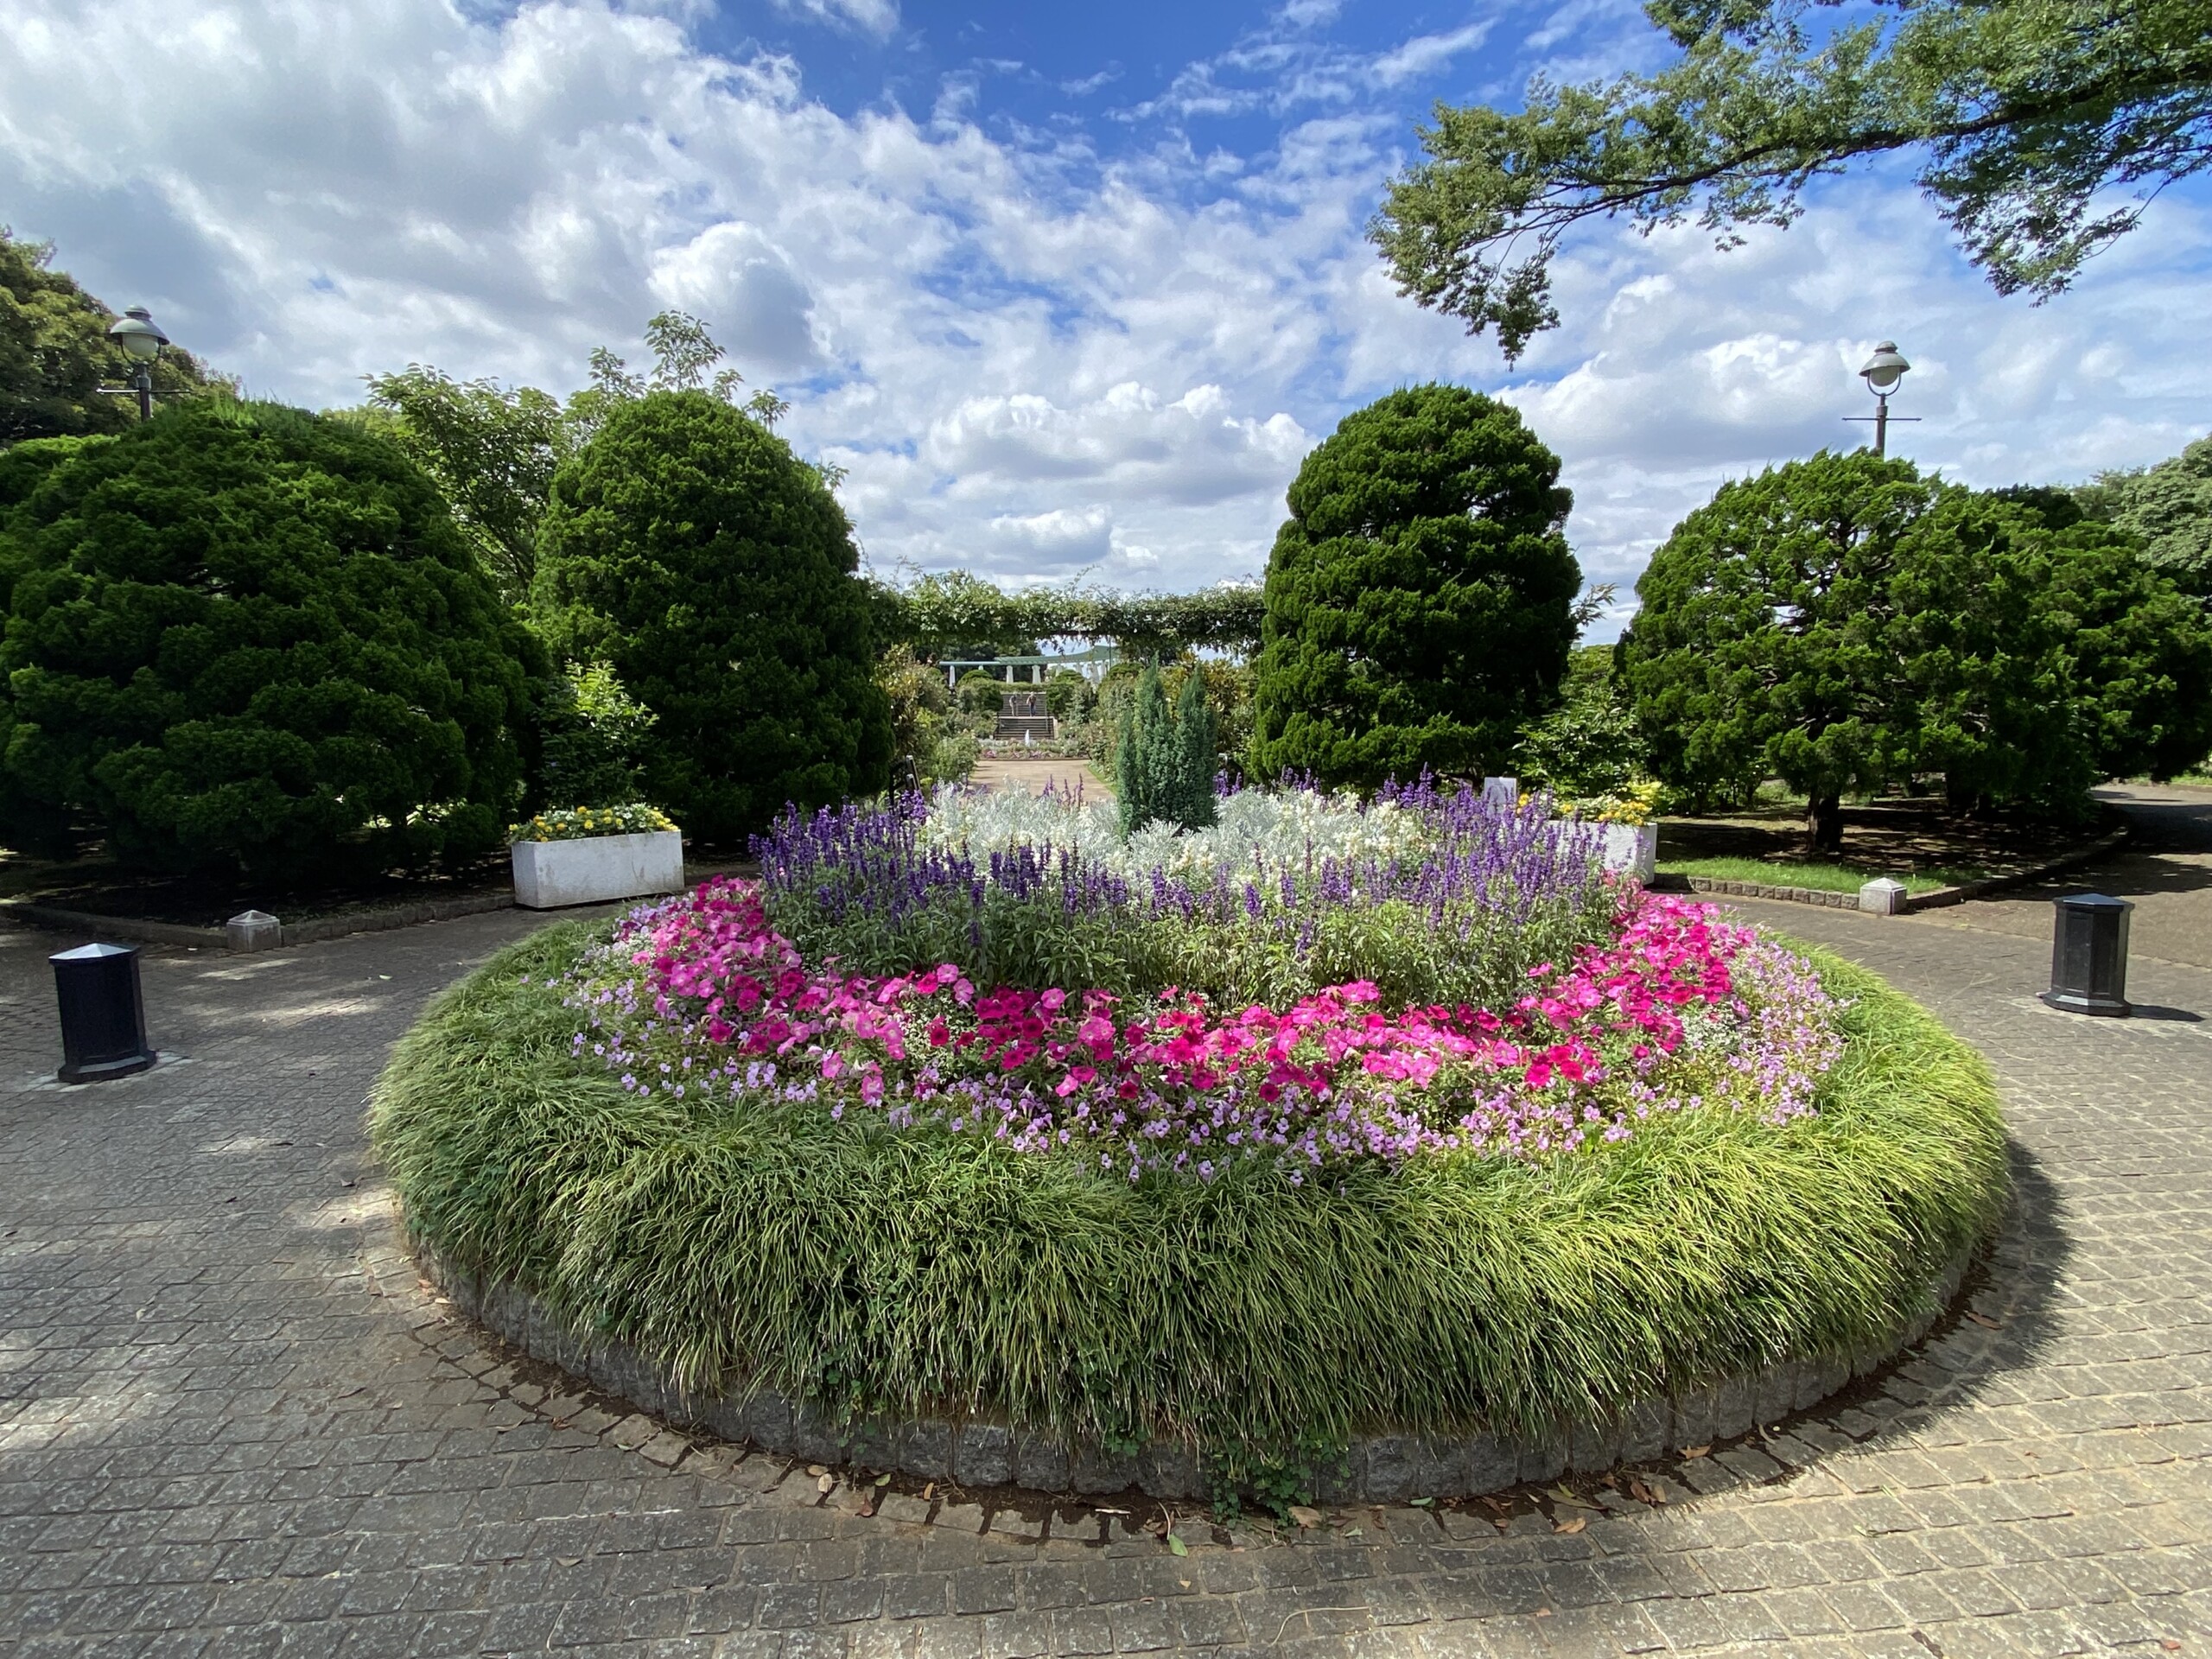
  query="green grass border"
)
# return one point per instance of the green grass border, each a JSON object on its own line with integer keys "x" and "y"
{"x": 909, "y": 1273}
{"x": 1825, "y": 877}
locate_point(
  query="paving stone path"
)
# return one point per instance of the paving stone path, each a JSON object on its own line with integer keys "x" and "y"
{"x": 232, "y": 1421}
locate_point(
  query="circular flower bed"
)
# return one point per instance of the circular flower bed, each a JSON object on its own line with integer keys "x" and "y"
{"x": 1399, "y": 1115}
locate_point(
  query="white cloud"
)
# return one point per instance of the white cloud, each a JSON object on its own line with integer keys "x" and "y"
{"x": 1425, "y": 54}
{"x": 876, "y": 17}
{"x": 1035, "y": 358}
{"x": 1051, "y": 542}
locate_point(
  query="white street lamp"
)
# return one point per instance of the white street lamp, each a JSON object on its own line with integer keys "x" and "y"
{"x": 137, "y": 333}
{"x": 1883, "y": 373}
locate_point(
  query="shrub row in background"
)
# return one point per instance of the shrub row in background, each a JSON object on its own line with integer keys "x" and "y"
{"x": 242, "y": 636}
{"x": 239, "y": 633}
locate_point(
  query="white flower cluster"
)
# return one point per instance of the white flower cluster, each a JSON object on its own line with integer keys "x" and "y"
{"x": 1258, "y": 832}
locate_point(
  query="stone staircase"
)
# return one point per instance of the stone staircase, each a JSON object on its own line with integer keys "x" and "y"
{"x": 1023, "y": 715}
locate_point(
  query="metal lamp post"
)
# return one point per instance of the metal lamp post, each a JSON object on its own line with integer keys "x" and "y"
{"x": 135, "y": 331}
{"x": 1883, "y": 373}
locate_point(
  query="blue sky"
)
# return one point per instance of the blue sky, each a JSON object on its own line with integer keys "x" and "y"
{"x": 1069, "y": 290}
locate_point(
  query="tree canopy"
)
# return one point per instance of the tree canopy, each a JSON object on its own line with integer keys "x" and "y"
{"x": 495, "y": 449}
{"x": 1843, "y": 622}
{"x": 714, "y": 574}
{"x": 245, "y": 636}
{"x": 55, "y": 355}
{"x": 1419, "y": 600}
{"x": 2022, "y": 118}
{"x": 2168, "y": 508}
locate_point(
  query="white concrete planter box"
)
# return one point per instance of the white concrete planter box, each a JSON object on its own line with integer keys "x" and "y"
{"x": 591, "y": 871}
{"x": 1630, "y": 849}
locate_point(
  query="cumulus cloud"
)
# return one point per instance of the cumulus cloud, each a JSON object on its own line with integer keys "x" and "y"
{"x": 876, "y": 17}
{"x": 1193, "y": 450}
{"x": 1035, "y": 356}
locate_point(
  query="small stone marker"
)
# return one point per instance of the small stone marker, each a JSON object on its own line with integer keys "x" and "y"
{"x": 1882, "y": 897}
{"x": 253, "y": 930}
{"x": 1501, "y": 792}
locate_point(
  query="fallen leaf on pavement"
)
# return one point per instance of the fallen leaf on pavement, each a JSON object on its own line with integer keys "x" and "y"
{"x": 1575, "y": 1525}
{"x": 1984, "y": 1320}
{"x": 1696, "y": 1451}
{"x": 1304, "y": 1517}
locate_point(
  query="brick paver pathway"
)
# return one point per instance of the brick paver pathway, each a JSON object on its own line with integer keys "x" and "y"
{"x": 231, "y": 1423}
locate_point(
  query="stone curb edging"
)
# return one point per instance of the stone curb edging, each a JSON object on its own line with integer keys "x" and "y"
{"x": 311, "y": 932}
{"x": 1934, "y": 899}
{"x": 1938, "y": 898}
{"x": 977, "y": 1453}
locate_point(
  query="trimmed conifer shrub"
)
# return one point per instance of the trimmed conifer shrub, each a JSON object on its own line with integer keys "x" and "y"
{"x": 1194, "y": 739}
{"x": 243, "y": 636}
{"x": 1163, "y": 764}
{"x": 714, "y": 574}
{"x": 1420, "y": 596}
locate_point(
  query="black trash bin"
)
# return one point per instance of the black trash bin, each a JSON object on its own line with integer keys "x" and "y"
{"x": 102, "y": 1013}
{"x": 2088, "y": 955}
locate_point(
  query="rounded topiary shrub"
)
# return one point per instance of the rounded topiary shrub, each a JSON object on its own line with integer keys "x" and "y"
{"x": 1420, "y": 596}
{"x": 688, "y": 548}
{"x": 245, "y": 636}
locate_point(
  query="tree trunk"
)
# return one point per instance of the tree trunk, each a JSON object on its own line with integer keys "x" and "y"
{"x": 1824, "y": 823}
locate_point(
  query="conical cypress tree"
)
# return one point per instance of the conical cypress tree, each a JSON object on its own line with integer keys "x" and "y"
{"x": 1163, "y": 772}
{"x": 1194, "y": 753}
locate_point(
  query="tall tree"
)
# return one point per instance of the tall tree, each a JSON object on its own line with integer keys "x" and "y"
{"x": 495, "y": 449}
{"x": 2168, "y": 508}
{"x": 1757, "y": 648}
{"x": 1843, "y": 621}
{"x": 2023, "y": 117}
{"x": 1420, "y": 595}
{"x": 714, "y": 574}
{"x": 55, "y": 355}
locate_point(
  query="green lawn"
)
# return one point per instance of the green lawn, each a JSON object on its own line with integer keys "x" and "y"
{"x": 1828, "y": 878}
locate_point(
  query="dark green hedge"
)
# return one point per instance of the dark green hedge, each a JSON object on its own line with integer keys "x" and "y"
{"x": 244, "y": 635}
{"x": 881, "y": 1270}
{"x": 691, "y": 550}
{"x": 1419, "y": 597}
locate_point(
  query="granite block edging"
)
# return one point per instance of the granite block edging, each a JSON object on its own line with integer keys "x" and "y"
{"x": 313, "y": 931}
{"x": 977, "y": 1452}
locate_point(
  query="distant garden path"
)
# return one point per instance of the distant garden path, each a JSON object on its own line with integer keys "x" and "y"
{"x": 1034, "y": 775}
{"x": 232, "y": 1423}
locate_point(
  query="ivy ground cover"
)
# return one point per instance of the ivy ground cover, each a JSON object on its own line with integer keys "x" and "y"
{"x": 1409, "y": 1117}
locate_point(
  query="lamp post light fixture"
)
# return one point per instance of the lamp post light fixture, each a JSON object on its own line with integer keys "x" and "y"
{"x": 137, "y": 333}
{"x": 1883, "y": 373}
